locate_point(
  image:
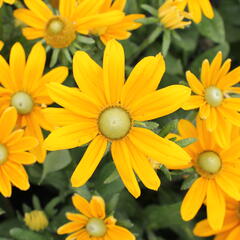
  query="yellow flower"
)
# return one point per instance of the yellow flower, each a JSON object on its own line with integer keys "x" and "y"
{"x": 119, "y": 30}
{"x": 23, "y": 86}
{"x": 103, "y": 110}
{"x": 92, "y": 223}
{"x": 1, "y": 45}
{"x": 13, "y": 154}
{"x": 36, "y": 220}
{"x": 218, "y": 174}
{"x": 231, "y": 225}
{"x": 197, "y": 8}
{"x": 172, "y": 15}
{"x": 7, "y": 1}
{"x": 61, "y": 30}
{"x": 211, "y": 97}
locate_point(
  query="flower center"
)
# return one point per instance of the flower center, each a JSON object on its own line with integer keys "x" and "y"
{"x": 3, "y": 154}
{"x": 209, "y": 162}
{"x": 23, "y": 102}
{"x": 213, "y": 96}
{"x": 59, "y": 32}
{"x": 96, "y": 227}
{"x": 114, "y": 123}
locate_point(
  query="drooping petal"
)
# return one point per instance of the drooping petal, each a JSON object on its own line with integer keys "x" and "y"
{"x": 203, "y": 229}
{"x": 143, "y": 79}
{"x": 89, "y": 161}
{"x": 160, "y": 103}
{"x": 195, "y": 10}
{"x": 5, "y": 185}
{"x": 113, "y": 71}
{"x": 207, "y": 8}
{"x": 194, "y": 198}
{"x": 157, "y": 148}
{"x": 215, "y": 205}
{"x": 187, "y": 129}
{"x": 116, "y": 233}
{"x": 122, "y": 160}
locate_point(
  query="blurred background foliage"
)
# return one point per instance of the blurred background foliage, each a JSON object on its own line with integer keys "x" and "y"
{"x": 155, "y": 215}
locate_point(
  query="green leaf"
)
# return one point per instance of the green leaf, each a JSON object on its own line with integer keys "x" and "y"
{"x": 55, "y": 161}
{"x": 185, "y": 142}
{"x": 166, "y": 42}
{"x": 187, "y": 183}
{"x": 149, "y": 20}
{"x": 166, "y": 172}
{"x": 213, "y": 28}
{"x": 22, "y": 234}
{"x": 36, "y": 203}
{"x": 50, "y": 208}
{"x": 150, "y": 9}
{"x": 169, "y": 128}
{"x": 2, "y": 211}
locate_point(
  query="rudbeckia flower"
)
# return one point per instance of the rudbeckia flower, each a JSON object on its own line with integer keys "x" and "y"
{"x": 92, "y": 223}
{"x": 172, "y": 15}
{"x": 104, "y": 110}
{"x": 211, "y": 96}
{"x": 218, "y": 174}
{"x": 6, "y": 1}
{"x": 119, "y": 30}
{"x": 14, "y": 154}
{"x": 231, "y": 225}
{"x": 23, "y": 87}
{"x": 197, "y": 8}
{"x": 60, "y": 30}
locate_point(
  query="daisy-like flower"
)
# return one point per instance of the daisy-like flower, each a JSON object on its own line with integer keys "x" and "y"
{"x": 218, "y": 174}
{"x": 23, "y": 87}
{"x": 104, "y": 110}
{"x": 231, "y": 225}
{"x": 119, "y": 30}
{"x": 6, "y": 1}
{"x": 211, "y": 96}
{"x": 92, "y": 223}
{"x": 14, "y": 154}
{"x": 197, "y": 8}
{"x": 172, "y": 15}
{"x": 61, "y": 30}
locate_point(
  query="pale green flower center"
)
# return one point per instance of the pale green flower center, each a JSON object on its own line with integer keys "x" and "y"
{"x": 213, "y": 96}
{"x": 209, "y": 162}
{"x": 3, "y": 154}
{"x": 96, "y": 227}
{"x": 23, "y": 102}
{"x": 55, "y": 26}
{"x": 114, "y": 123}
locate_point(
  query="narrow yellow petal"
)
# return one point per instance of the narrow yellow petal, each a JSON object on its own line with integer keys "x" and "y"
{"x": 194, "y": 83}
{"x": 97, "y": 206}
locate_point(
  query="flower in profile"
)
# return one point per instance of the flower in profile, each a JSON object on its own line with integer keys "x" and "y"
{"x": 6, "y": 1}
{"x": 231, "y": 225}
{"x": 218, "y": 174}
{"x": 172, "y": 15}
{"x": 211, "y": 96}
{"x": 197, "y": 8}
{"x": 59, "y": 31}
{"x": 92, "y": 222}
{"x": 104, "y": 110}
{"x": 14, "y": 154}
{"x": 119, "y": 30}
{"x": 36, "y": 220}
{"x": 23, "y": 87}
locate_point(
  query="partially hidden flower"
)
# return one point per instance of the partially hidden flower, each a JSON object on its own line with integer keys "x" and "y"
{"x": 172, "y": 15}
{"x": 6, "y": 1}
{"x": 36, "y": 220}
{"x": 218, "y": 173}
{"x": 121, "y": 29}
{"x": 14, "y": 147}
{"x": 197, "y": 8}
{"x": 104, "y": 109}
{"x": 23, "y": 87}
{"x": 60, "y": 30}
{"x": 213, "y": 96}
{"x": 92, "y": 222}
{"x": 231, "y": 225}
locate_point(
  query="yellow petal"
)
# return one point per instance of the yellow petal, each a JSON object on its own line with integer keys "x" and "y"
{"x": 89, "y": 76}
{"x": 207, "y": 8}
{"x": 122, "y": 160}
{"x": 113, "y": 71}
{"x": 116, "y": 232}
{"x": 234, "y": 234}
{"x": 143, "y": 79}
{"x": 32, "y": 33}
{"x": 7, "y": 122}
{"x": 195, "y": 10}
{"x": 89, "y": 161}
{"x": 67, "y": 8}
{"x": 5, "y": 185}
{"x": 23, "y": 158}
{"x": 203, "y": 229}
{"x": 212, "y": 121}
{"x": 97, "y": 206}
{"x": 76, "y": 217}
{"x": 215, "y": 205}
{"x": 157, "y": 148}
{"x": 194, "y": 83}
{"x": 194, "y": 198}
{"x": 193, "y": 102}
{"x": 71, "y": 136}
{"x": 231, "y": 115}
{"x": 204, "y": 111}
{"x": 187, "y": 129}
{"x": 70, "y": 227}
{"x": 160, "y": 103}
{"x": 82, "y": 205}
